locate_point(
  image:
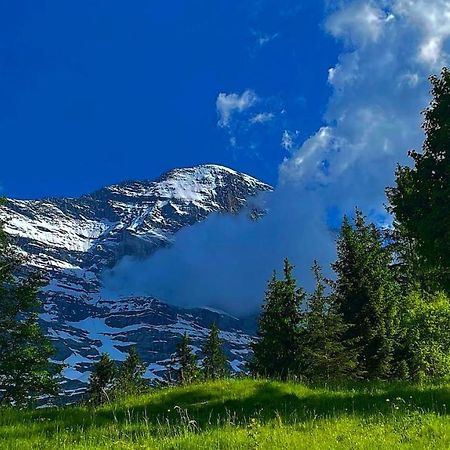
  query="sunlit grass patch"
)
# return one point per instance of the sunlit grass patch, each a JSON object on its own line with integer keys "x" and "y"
{"x": 244, "y": 414}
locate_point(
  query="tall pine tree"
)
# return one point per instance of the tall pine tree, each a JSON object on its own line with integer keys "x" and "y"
{"x": 420, "y": 200}
{"x": 367, "y": 294}
{"x": 25, "y": 370}
{"x": 130, "y": 378}
{"x": 326, "y": 353}
{"x": 186, "y": 360}
{"x": 101, "y": 380}
{"x": 276, "y": 350}
{"x": 214, "y": 362}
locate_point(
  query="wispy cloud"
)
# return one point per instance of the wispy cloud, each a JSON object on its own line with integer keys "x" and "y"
{"x": 262, "y": 117}
{"x": 263, "y": 39}
{"x": 229, "y": 104}
{"x": 238, "y": 114}
{"x": 289, "y": 139}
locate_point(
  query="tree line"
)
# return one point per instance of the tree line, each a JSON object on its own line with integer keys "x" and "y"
{"x": 107, "y": 381}
{"x": 386, "y": 313}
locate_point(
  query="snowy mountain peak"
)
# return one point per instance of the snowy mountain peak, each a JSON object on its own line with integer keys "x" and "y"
{"x": 74, "y": 239}
{"x": 196, "y": 183}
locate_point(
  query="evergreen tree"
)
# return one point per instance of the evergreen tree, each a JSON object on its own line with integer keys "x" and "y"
{"x": 186, "y": 360}
{"x": 420, "y": 199}
{"x": 215, "y": 361}
{"x": 130, "y": 379}
{"x": 367, "y": 295}
{"x": 326, "y": 354}
{"x": 276, "y": 350}
{"x": 25, "y": 370}
{"x": 407, "y": 266}
{"x": 101, "y": 380}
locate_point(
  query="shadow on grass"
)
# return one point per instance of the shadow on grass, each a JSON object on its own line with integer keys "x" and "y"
{"x": 212, "y": 407}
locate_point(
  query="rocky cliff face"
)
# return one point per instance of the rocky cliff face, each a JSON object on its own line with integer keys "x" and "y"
{"x": 74, "y": 240}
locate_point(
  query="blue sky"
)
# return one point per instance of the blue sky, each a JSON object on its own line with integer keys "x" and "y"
{"x": 95, "y": 92}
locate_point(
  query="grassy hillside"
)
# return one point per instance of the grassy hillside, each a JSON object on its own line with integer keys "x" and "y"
{"x": 244, "y": 414}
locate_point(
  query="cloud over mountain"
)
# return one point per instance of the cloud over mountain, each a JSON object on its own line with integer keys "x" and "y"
{"x": 373, "y": 118}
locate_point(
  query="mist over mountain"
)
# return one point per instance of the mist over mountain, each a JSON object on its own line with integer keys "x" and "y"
{"x": 76, "y": 240}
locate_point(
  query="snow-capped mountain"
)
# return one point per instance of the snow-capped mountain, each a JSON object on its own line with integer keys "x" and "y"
{"x": 74, "y": 239}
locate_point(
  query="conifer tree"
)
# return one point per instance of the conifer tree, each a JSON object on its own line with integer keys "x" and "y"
{"x": 367, "y": 295}
{"x": 326, "y": 354}
{"x": 101, "y": 380}
{"x": 276, "y": 350}
{"x": 214, "y": 362}
{"x": 420, "y": 199}
{"x": 25, "y": 369}
{"x": 130, "y": 379}
{"x": 186, "y": 360}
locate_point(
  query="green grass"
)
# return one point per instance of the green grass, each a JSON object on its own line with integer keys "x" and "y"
{"x": 244, "y": 414}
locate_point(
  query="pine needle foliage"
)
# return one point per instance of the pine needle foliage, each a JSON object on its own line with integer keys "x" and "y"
{"x": 25, "y": 370}
{"x": 130, "y": 376}
{"x": 101, "y": 380}
{"x": 421, "y": 198}
{"x": 326, "y": 353}
{"x": 214, "y": 363}
{"x": 186, "y": 360}
{"x": 367, "y": 295}
{"x": 276, "y": 348}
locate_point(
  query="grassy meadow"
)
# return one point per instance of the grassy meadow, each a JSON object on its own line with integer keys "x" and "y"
{"x": 244, "y": 414}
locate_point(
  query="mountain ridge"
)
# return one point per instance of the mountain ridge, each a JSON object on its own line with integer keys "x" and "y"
{"x": 75, "y": 239}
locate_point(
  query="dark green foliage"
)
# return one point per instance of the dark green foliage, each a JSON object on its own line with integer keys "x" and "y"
{"x": 186, "y": 361}
{"x": 326, "y": 354}
{"x": 214, "y": 362}
{"x": 421, "y": 198}
{"x": 25, "y": 370}
{"x": 101, "y": 380}
{"x": 276, "y": 349}
{"x": 408, "y": 266}
{"x": 367, "y": 295}
{"x": 130, "y": 379}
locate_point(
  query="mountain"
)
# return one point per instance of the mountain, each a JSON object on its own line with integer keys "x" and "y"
{"x": 74, "y": 239}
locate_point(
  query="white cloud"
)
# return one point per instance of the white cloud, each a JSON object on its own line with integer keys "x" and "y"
{"x": 431, "y": 18}
{"x": 229, "y": 104}
{"x": 359, "y": 23}
{"x": 242, "y": 116}
{"x": 289, "y": 139}
{"x": 380, "y": 86}
{"x": 262, "y": 117}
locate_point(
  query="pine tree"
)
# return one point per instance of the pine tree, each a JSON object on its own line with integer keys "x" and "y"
{"x": 420, "y": 199}
{"x": 367, "y": 295}
{"x": 326, "y": 354}
{"x": 215, "y": 361}
{"x": 186, "y": 360}
{"x": 25, "y": 370}
{"x": 276, "y": 350}
{"x": 130, "y": 379}
{"x": 101, "y": 380}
